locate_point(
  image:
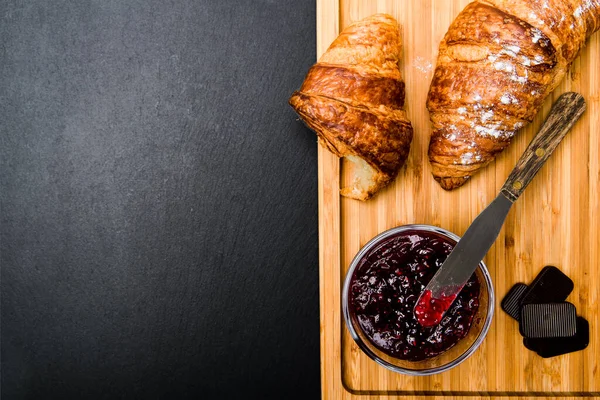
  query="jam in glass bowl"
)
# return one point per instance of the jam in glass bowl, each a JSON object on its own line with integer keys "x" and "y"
{"x": 382, "y": 285}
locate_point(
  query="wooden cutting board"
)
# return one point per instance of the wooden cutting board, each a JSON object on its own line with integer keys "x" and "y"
{"x": 556, "y": 221}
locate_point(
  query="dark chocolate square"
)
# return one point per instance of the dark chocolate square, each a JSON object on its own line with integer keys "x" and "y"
{"x": 511, "y": 303}
{"x": 552, "y": 347}
{"x": 548, "y": 320}
{"x": 551, "y": 285}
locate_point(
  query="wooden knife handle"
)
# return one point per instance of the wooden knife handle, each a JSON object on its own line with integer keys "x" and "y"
{"x": 563, "y": 115}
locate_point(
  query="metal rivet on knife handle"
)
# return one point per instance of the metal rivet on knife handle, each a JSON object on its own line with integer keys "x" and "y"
{"x": 540, "y": 152}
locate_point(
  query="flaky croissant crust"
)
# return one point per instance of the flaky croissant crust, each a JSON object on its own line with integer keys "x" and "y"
{"x": 353, "y": 98}
{"x": 497, "y": 63}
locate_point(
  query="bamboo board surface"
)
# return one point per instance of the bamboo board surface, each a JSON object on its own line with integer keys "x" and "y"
{"x": 556, "y": 221}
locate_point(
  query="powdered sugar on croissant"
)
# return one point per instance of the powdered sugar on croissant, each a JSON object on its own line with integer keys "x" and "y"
{"x": 497, "y": 63}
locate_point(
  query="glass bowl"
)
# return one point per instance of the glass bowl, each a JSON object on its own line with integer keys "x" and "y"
{"x": 451, "y": 357}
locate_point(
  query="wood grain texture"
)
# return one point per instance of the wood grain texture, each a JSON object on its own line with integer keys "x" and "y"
{"x": 555, "y": 222}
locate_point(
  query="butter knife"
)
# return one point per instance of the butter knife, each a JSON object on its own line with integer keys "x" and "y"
{"x": 449, "y": 280}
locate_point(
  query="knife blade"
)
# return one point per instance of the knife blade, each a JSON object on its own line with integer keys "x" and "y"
{"x": 442, "y": 290}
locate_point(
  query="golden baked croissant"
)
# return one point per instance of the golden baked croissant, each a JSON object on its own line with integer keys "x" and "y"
{"x": 496, "y": 65}
{"x": 353, "y": 98}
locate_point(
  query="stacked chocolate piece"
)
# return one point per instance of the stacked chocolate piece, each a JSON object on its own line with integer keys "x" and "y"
{"x": 549, "y": 324}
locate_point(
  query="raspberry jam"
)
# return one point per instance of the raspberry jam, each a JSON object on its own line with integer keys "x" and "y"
{"x": 386, "y": 284}
{"x": 429, "y": 311}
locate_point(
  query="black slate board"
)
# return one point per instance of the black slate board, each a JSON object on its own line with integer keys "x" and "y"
{"x": 158, "y": 200}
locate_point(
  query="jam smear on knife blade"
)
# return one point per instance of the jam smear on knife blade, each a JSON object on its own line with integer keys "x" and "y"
{"x": 429, "y": 311}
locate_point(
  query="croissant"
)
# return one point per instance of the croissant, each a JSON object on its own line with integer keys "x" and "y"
{"x": 353, "y": 98}
{"x": 497, "y": 63}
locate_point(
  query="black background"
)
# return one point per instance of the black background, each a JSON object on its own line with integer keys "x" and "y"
{"x": 158, "y": 200}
